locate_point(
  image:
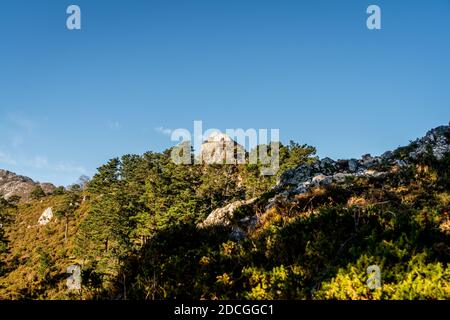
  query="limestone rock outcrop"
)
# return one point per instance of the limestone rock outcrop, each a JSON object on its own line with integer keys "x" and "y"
{"x": 299, "y": 180}
{"x": 12, "y": 184}
{"x": 224, "y": 216}
{"x": 46, "y": 217}
{"x": 435, "y": 141}
{"x": 219, "y": 148}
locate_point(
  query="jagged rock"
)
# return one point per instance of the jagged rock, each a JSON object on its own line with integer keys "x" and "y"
{"x": 352, "y": 165}
{"x": 341, "y": 177}
{"x": 47, "y": 187}
{"x": 321, "y": 180}
{"x": 12, "y": 184}
{"x": 219, "y": 148}
{"x": 327, "y": 165}
{"x": 401, "y": 163}
{"x": 388, "y": 155}
{"x": 369, "y": 161}
{"x": 302, "y": 187}
{"x": 237, "y": 234}
{"x": 436, "y": 141}
{"x": 46, "y": 217}
{"x": 223, "y": 216}
{"x": 374, "y": 174}
{"x": 295, "y": 176}
{"x": 73, "y": 282}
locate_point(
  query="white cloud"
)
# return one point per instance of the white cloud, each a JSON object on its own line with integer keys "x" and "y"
{"x": 164, "y": 131}
{"x": 21, "y": 128}
{"x": 69, "y": 168}
{"x": 37, "y": 162}
{"x": 7, "y": 159}
{"x": 42, "y": 163}
{"x": 22, "y": 122}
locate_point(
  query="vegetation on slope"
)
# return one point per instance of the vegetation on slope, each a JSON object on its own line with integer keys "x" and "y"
{"x": 134, "y": 232}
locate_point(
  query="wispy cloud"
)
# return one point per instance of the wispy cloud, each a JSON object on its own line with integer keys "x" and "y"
{"x": 67, "y": 167}
{"x": 22, "y": 122}
{"x": 164, "y": 131}
{"x": 42, "y": 163}
{"x": 21, "y": 128}
{"x": 114, "y": 125}
{"x": 7, "y": 159}
{"x": 37, "y": 162}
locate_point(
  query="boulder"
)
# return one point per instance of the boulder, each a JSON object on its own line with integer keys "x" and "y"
{"x": 321, "y": 180}
{"x": 46, "y": 217}
{"x": 352, "y": 165}
{"x": 73, "y": 282}
{"x": 223, "y": 216}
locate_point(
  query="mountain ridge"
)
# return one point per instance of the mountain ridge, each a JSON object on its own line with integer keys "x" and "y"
{"x": 12, "y": 184}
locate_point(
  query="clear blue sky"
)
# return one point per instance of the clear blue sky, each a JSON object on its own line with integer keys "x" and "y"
{"x": 70, "y": 100}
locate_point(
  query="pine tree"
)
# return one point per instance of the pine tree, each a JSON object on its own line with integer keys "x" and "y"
{"x": 37, "y": 193}
{"x": 66, "y": 210}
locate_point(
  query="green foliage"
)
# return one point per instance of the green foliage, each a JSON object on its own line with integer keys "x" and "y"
{"x": 415, "y": 280}
{"x": 37, "y": 193}
{"x": 45, "y": 264}
{"x": 3, "y": 221}
{"x": 135, "y": 233}
{"x": 66, "y": 209}
{"x": 59, "y": 191}
{"x": 14, "y": 200}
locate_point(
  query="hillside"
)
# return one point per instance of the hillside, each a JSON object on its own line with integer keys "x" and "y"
{"x": 13, "y": 185}
{"x": 145, "y": 228}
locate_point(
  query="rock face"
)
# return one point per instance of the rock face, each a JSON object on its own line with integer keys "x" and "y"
{"x": 223, "y": 216}
{"x": 46, "y": 217}
{"x": 219, "y": 148}
{"x": 12, "y": 184}
{"x": 435, "y": 141}
{"x": 73, "y": 282}
{"x": 301, "y": 179}
{"x": 327, "y": 171}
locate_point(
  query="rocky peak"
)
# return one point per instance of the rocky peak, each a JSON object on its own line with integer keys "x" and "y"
{"x": 436, "y": 143}
{"x": 219, "y": 148}
{"x": 12, "y": 184}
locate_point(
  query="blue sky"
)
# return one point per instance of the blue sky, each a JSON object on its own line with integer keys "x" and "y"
{"x": 70, "y": 100}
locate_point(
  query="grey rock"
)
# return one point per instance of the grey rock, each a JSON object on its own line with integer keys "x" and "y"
{"x": 219, "y": 148}
{"x": 223, "y": 216}
{"x": 321, "y": 180}
{"x": 73, "y": 282}
{"x": 352, "y": 165}
{"x": 46, "y": 217}
{"x": 341, "y": 177}
{"x": 237, "y": 234}
{"x": 388, "y": 155}
{"x": 12, "y": 184}
{"x": 436, "y": 141}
